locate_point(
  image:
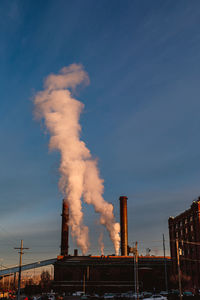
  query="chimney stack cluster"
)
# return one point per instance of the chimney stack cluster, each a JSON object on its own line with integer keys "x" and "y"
{"x": 123, "y": 228}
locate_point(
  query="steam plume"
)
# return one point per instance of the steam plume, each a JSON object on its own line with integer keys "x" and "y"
{"x": 101, "y": 244}
{"x": 79, "y": 172}
{"x": 93, "y": 190}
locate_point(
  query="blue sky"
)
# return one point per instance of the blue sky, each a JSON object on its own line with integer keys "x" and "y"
{"x": 141, "y": 117}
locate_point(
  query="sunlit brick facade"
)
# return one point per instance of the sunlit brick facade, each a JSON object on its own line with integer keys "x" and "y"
{"x": 186, "y": 229}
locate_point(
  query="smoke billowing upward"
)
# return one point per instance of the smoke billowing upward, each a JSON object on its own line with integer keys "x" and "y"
{"x": 101, "y": 244}
{"x": 79, "y": 172}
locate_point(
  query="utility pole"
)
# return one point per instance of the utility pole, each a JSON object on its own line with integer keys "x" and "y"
{"x": 166, "y": 282}
{"x": 84, "y": 282}
{"x": 136, "y": 261}
{"x": 9, "y": 282}
{"x": 135, "y": 272}
{"x": 85, "y": 278}
{"x": 179, "y": 270}
{"x": 20, "y": 267}
{"x": 14, "y": 281}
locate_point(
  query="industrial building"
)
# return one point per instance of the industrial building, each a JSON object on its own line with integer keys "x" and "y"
{"x": 99, "y": 274}
{"x": 185, "y": 228}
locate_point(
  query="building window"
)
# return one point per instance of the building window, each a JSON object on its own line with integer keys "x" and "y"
{"x": 191, "y": 227}
{"x": 181, "y": 223}
{"x": 185, "y": 221}
{"x": 186, "y": 230}
{"x": 176, "y": 225}
{"x": 181, "y": 232}
{"x": 177, "y": 234}
{"x": 191, "y": 218}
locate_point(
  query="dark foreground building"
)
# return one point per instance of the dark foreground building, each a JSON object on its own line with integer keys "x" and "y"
{"x": 99, "y": 274}
{"x": 186, "y": 229}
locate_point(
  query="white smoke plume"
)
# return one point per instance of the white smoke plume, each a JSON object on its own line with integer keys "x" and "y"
{"x": 101, "y": 244}
{"x": 93, "y": 190}
{"x": 79, "y": 172}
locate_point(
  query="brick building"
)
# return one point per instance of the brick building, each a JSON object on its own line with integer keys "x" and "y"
{"x": 186, "y": 229}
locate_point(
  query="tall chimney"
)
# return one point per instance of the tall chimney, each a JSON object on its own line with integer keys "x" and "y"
{"x": 65, "y": 229}
{"x": 124, "y": 225}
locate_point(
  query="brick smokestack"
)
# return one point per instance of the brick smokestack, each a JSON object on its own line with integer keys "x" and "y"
{"x": 65, "y": 229}
{"x": 124, "y": 225}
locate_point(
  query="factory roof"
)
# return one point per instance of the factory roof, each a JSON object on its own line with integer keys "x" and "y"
{"x": 105, "y": 260}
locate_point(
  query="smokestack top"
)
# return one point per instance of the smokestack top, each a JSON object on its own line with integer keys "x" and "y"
{"x": 65, "y": 204}
{"x": 123, "y": 198}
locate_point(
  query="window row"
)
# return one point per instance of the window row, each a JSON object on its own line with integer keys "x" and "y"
{"x": 184, "y": 231}
{"x": 181, "y": 223}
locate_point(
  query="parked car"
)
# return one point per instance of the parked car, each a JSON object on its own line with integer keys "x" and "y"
{"x": 84, "y": 297}
{"x": 164, "y": 293}
{"x": 108, "y": 296}
{"x": 78, "y": 293}
{"x": 51, "y": 296}
{"x": 188, "y": 294}
{"x": 146, "y": 294}
{"x": 118, "y": 295}
{"x": 124, "y": 295}
{"x": 135, "y": 296}
{"x": 157, "y": 297}
{"x": 174, "y": 292}
{"x": 94, "y": 296}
